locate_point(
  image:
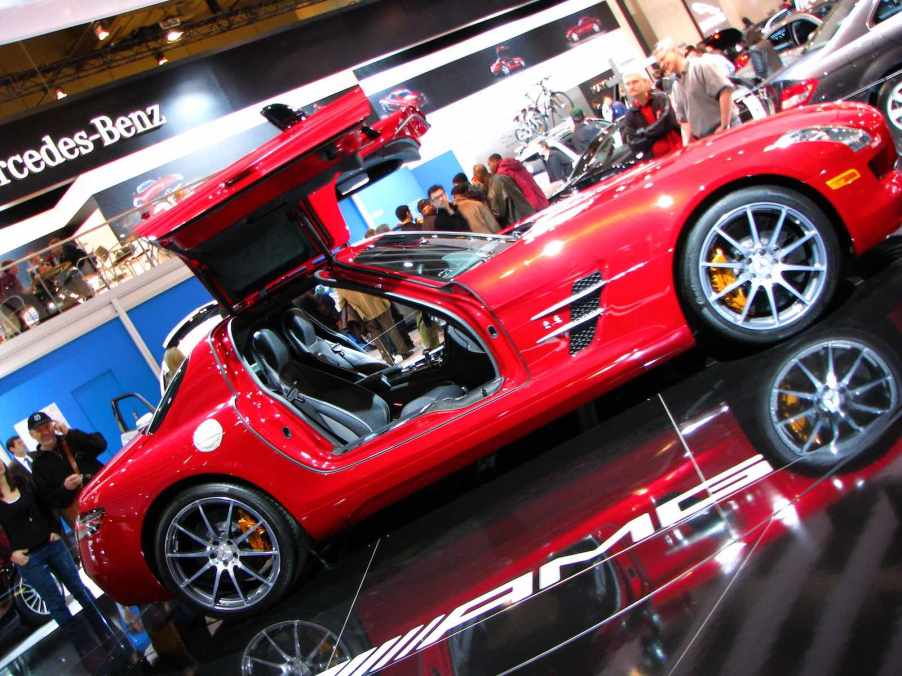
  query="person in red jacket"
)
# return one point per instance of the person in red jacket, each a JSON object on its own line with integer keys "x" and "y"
{"x": 520, "y": 174}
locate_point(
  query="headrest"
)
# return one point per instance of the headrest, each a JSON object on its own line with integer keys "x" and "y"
{"x": 300, "y": 327}
{"x": 271, "y": 349}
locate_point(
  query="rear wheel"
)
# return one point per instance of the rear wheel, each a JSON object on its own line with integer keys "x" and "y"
{"x": 227, "y": 550}
{"x": 760, "y": 265}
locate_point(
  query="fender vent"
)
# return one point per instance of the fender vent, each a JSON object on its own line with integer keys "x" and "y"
{"x": 581, "y": 336}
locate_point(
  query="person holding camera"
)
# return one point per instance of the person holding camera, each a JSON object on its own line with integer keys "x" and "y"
{"x": 64, "y": 462}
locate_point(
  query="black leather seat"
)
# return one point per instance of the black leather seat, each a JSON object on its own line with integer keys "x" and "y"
{"x": 303, "y": 338}
{"x": 348, "y": 410}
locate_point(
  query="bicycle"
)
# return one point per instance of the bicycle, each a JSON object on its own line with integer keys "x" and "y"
{"x": 548, "y": 109}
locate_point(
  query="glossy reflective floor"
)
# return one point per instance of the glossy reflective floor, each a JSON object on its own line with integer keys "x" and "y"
{"x": 727, "y": 514}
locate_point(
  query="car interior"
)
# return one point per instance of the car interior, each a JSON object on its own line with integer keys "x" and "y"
{"x": 355, "y": 382}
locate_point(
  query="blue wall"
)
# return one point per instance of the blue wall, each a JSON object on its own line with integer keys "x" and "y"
{"x": 84, "y": 375}
{"x": 438, "y": 171}
{"x": 405, "y": 186}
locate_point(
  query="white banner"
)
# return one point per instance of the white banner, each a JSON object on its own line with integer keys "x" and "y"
{"x": 22, "y": 19}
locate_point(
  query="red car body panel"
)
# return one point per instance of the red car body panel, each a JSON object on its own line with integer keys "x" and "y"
{"x": 628, "y": 229}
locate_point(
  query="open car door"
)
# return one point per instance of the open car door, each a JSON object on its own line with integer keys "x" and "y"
{"x": 273, "y": 215}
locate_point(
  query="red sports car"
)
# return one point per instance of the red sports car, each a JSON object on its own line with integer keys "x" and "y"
{"x": 278, "y": 432}
{"x": 401, "y": 98}
{"x": 587, "y": 25}
{"x": 505, "y": 65}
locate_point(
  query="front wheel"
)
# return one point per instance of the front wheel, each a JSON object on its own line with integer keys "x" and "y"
{"x": 227, "y": 550}
{"x": 830, "y": 401}
{"x": 760, "y": 265}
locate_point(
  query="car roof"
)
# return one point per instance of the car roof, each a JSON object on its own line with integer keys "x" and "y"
{"x": 795, "y": 16}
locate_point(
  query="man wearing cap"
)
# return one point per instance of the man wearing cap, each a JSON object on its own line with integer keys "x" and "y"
{"x": 65, "y": 461}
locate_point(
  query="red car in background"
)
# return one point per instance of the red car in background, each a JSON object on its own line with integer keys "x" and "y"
{"x": 276, "y": 434}
{"x": 401, "y": 98}
{"x": 155, "y": 188}
{"x": 505, "y": 64}
{"x": 587, "y": 25}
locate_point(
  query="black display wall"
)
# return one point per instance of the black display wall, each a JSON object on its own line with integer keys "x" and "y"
{"x": 222, "y": 82}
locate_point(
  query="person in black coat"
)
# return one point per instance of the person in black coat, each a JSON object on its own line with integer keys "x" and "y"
{"x": 38, "y": 550}
{"x": 650, "y": 126}
{"x": 64, "y": 462}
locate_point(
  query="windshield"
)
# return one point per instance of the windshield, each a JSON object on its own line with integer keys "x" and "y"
{"x": 439, "y": 255}
{"x": 831, "y": 24}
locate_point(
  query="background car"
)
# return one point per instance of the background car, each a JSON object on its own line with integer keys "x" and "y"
{"x": 587, "y": 25}
{"x": 560, "y": 137}
{"x": 402, "y": 97}
{"x": 155, "y": 188}
{"x": 505, "y": 65}
{"x": 791, "y": 35}
{"x": 856, "y": 54}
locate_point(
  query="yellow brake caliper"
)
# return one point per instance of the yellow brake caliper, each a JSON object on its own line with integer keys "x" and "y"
{"x": 258, "y": 540}
{"x": 799, "y": 426}
{"x": 721, "y": 278}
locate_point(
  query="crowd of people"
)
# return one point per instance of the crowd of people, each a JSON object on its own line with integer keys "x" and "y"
{"x": 497, "y": 195}
{"x": 57, "y": 276}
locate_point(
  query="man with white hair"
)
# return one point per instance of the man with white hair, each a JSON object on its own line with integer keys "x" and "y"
{"x": 649, "y": 126}
{"x": 701, "y": 95}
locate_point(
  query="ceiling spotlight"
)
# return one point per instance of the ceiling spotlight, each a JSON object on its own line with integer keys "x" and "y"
{"x": 174, "y": 35}
{"x": 161, "y": 59}
{"x": 101, "y": 32}
{"x": 60, "y": 94}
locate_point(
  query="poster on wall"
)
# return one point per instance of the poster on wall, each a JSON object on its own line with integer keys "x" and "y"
{"x": 451, "y": 82}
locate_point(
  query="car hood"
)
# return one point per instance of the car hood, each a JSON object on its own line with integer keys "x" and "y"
{"x": 273, "y": 215}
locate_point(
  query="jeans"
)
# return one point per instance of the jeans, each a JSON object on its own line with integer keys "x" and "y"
{"x": 54, "y": 558}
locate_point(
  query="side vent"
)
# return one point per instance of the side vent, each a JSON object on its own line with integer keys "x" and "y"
{"x": 581, "y": 336}
{"x": 585, "y": 308}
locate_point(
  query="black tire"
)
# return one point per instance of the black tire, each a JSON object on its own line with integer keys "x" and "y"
{"x": 276, "y": 529}
{"x": 31, "y": 609}
{"x": 889, "y": 101}
{"x": 804, "y": 226}
{"x": 785, "y": 443}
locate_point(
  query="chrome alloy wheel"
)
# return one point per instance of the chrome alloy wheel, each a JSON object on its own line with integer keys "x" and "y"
{"x": 222, "y": 553}
{"x": 293, "y": 647}
{"x": 894, "y": 106}
{"x": 32, "y": 599}
{"x": 831, "y": 395}
{"x": 763, "y": 265}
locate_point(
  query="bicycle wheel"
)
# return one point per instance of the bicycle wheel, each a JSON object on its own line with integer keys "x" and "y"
{"x": 559, "y": 107}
